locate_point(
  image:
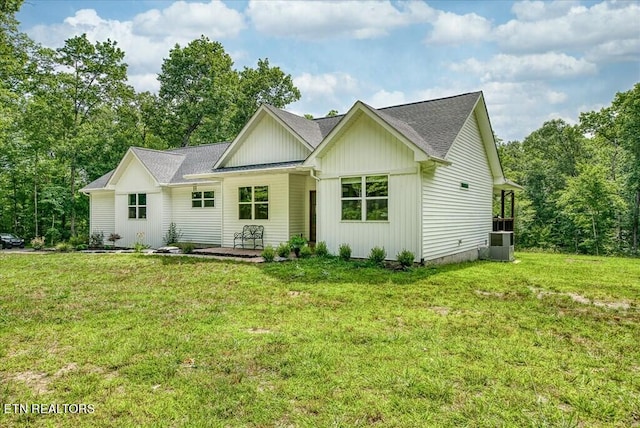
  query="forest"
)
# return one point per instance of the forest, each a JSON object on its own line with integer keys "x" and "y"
{"x": 67, "y": 116}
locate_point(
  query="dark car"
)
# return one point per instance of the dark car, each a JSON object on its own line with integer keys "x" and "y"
{"x": 9, "y": 241}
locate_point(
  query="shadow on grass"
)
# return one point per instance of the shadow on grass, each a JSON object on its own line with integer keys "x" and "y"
{"x": 328, "y": 270}
{"x": 335, "y": 271}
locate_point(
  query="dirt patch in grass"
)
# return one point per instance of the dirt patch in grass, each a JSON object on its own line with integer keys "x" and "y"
{"x": 440, "y": 310}
{"x": 578, "y": 298}
{"x": 256, "y": 330}
{"x": 489, "y": 293}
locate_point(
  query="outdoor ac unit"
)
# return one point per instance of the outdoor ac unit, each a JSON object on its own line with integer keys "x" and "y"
{"x": 501, "y": 246}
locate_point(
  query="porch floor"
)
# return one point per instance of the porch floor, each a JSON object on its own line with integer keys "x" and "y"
{"x": 229, "y": 252}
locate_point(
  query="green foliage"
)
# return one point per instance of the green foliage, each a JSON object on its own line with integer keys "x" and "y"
{"x": 344, "y": 252}
{"x": 37, "y": 243}
{"x": 64, "y": 247}
{"x": 77, "y": 240}
{"x": 377, "y": 255}
{"x": 306, "y": 252}
{"x": 283, "y": 250}
{"x": 81, "y": 247}
{"x": 297, "y": 241}
{"x": 173, "y": 234}
{"x": 321, "y": 249}
{"x": 53, "y": 235}
{"x": 405, "y": 258}
{"x": 96, "y": 240}
{"x": 268, "y": 254}
{"x": 186, "y": 247}
{"x": 139, "y": 247}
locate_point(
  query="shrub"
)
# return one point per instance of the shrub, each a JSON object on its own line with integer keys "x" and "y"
{"x": 139, "y": 247}
{"x": 283, "y": 250}
{"x": 269, "y": 254}
{"x": 344, "y": 252}
{"x": 37, "y": 243}
{"x": 173, "y": 235}
{"x": 53, "y": 234}
{"x": 77, "y": 240}
{"x": 377, "y": 255}
{"x": 321, "y": 249}
{"x": 96, "y": 240}
{"x": 187, "y": 247}
{"x": 113, "y": 238}
{"x": 64, "y": 247}
{"x": 296, "y": 243}
{"x": 306, "y": 252}
{"x": 405, "y": 258}
{"x": 81, "y": 247}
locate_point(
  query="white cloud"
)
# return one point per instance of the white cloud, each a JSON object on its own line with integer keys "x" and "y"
{"x": 545, "y": 66}
{"x": 148, "y": 37}
{"x": 325, "y": 85}
{"x": 324, "y": 19}
{"x": 383, "y": 98}
{"x": 577, "y": 27}
{"x": 450, "y": 28}
{"x": 145, "y": 82}
{"x": 190, "y": 20}
{"x": 538, "y": 10}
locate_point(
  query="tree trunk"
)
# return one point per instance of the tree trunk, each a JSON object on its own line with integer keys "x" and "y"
{"x": 636, "y": 220}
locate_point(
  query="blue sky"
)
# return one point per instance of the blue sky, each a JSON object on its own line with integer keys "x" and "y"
{"x": 535, "y": 61}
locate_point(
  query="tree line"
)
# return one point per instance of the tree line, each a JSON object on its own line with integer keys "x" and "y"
{"x": 67, "y": 116}
{"x": 581, "y": 182}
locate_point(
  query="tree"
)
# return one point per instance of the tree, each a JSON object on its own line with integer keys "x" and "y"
{"x": 591, "y": 201}
{"x": 202, "y": 99}
{"x": 197, "y": 88}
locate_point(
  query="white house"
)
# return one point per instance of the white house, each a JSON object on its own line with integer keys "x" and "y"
{"x": 418, "y": 176}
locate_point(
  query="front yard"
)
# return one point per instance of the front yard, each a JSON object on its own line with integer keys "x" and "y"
{"x": 177, "y": 341}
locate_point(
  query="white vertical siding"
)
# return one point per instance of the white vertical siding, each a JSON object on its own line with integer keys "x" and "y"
{"x": 135, "y": 179}
{"x": 199, "y": 225}
{"x": 276, "y": 228}
{"x": 298, "y": 205}
{"x": 456, "y": 219}
{"x": 268, "y": 142}
{"x": 102, "y": 213}
{"x": 365, "y": 149}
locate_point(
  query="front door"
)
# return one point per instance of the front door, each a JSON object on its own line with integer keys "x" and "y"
{"x": 312, "y": 216}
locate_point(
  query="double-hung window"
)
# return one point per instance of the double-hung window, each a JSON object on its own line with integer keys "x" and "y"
{"x": 365, "y": 198}
{"x": 138, "y": 205}
{"x": 253, "y": 203}
{"x": 203, "y": 199}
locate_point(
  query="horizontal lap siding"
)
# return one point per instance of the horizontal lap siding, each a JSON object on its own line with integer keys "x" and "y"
{"x": 102, "y": 213}
{"x": 268, "y": 142}
{"x": 456, "y": 219}
{"x": 200, "y": 225}
{"x": 365, "y": 149}
{"x": 276, "y": 228}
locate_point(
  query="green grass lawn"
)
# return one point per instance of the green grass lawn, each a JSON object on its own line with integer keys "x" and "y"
{"x": 174, "y": 341}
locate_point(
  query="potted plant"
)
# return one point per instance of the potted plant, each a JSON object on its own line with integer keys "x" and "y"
{"x": 296, "y": 242}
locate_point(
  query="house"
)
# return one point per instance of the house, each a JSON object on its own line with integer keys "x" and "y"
{"x": 418, "y": 176}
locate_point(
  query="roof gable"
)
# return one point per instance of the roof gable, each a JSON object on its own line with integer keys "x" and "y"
{"x": 304, "y": 131}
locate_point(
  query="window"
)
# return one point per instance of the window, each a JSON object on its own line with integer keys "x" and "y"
{"x": 253, "y": 203}
{"x": 203, "y": 199}
{"x": 372, "y": 204}
{"x": 137, "y": 205}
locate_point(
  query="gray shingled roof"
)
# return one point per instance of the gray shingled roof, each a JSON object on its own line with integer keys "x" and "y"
{"x": 437, "y": 122}
{"x": 431, "y": 125}
{"x": 169, "y": 167}
{"x": 307, "y": 129}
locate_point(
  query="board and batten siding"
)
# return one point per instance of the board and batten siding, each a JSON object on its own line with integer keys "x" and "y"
{"x": 366, "y": 148}
{"x": 136, "y": 179}
{"x": 268, "y": 142}
{"x": 276, "y": 228}
{"x": 454, "y": 219}
{"x": 199, "y": 225}
{"x": 102, "y": 218}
